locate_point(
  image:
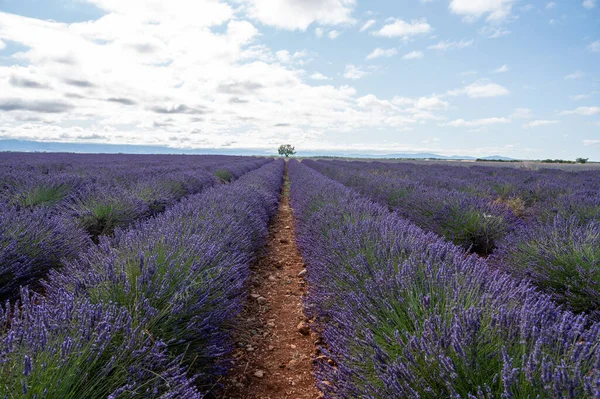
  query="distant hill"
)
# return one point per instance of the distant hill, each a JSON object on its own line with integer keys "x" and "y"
{"x": 38, "y": 146}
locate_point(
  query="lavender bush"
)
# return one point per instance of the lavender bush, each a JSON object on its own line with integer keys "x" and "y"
{"x": 71, "y": 348}
{"x": 561, "y": 257}
{"x": 405, "y": 314}
{"x": 31, "y": 243}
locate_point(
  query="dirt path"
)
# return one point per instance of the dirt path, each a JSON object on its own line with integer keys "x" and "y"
{"x": 276, "y": 348}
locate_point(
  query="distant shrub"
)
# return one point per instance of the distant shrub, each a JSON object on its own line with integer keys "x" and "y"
{"x": 555, "y": 161}
{"x": 224, "y": 175}
{"x": 581, "y": 160}
{"x": 561, "y": 257}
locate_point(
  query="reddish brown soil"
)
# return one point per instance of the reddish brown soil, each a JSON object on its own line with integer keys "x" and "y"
{"x": 270, "y": 340}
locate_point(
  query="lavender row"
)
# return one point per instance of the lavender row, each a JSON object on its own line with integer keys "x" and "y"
{"x": 553, "y": 242}
{"x": 472, "y": 222}
{"x": 148, "y": 312}
{"x": 405, "y": 314}
{"x": 529, "y": 187}
{"x": 36, "y": 239}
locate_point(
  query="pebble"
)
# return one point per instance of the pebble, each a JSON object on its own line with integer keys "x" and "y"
{"x": 303, "y": 328}
{"x": 254, "y": 296}
{"x": 302, "y": 273}
{"x": 271, "y": 347}
{"x": 261, "y": 300}
{"x": 271, "y": 324}
{"x": 284, "y": 241}
{"x": 293, "y": 346}
{"x": 259, "y": 374}
{"x": 287, "y": 227}
{"x": 272, "y": 278}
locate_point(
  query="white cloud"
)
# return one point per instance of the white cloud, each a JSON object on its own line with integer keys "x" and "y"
{"x": 540, "y": 122}
{"x": 333, "y": 34}
{"x": 379, "y": 52}
{"x": 403, "y": 29}
{"x": 502, "y": 69}
{"x": 591, "y": 142}
{"x": 477, "y": 122}
{"x": 494, "y": 31}
{"x": 367, "y": 25}
{"x": 286, "y": 57}
{"x": 318, "y": 76}
{"x": 584, "y": 111}
{"x": 481, "y": 90}
{"x": 371, "y": 101}
{"x": 230, "y": 91}
{"x": 575, "y": 75}
{"x": 449, "y": 45}
{"x": 550, "y": 5}
{"x": 298, "y": 15}
{"x": 522, "y": 113}
{"x": 2, "y": 45}
{"x": 579, "y": 97}
{"x": 353, "y": 72}
{"x": 496, "y": 10}
{"x": 431, "y": 103}
{"x": 319, "y": 32}
{"x": 589, "y": 4}
{"x": 594, "y": 47}
{"x": 413, "y": 55}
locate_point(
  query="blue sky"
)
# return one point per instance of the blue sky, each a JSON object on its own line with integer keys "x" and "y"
{"x": 470, "y": 77}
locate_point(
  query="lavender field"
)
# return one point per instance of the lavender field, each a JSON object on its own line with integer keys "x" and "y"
{"x": 124, "y": 276}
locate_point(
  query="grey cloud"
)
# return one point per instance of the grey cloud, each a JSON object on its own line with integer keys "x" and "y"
{"x": 120, "y": 100}
{"x": 29, "y": 119}
{"x": 67, "y": 60}
{"x": 74, "y": 95}
{"x": 79, "y": 83}
{"x": 44, "y": 106}
{"x": 237, "y": 100}
{"x": 144, "y": 48}
{"x": 26, "y": 83}
{"x": 180, "y": 109}
{"x": 282, "y": 125}
{"x": 245, "y": 87}
{"x": 159, "y": 124}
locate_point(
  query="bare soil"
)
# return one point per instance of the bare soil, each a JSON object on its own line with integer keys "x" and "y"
{"x": 274, "y": 359}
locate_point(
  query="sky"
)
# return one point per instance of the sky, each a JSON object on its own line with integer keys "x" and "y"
{"x": 515, "y": 78}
